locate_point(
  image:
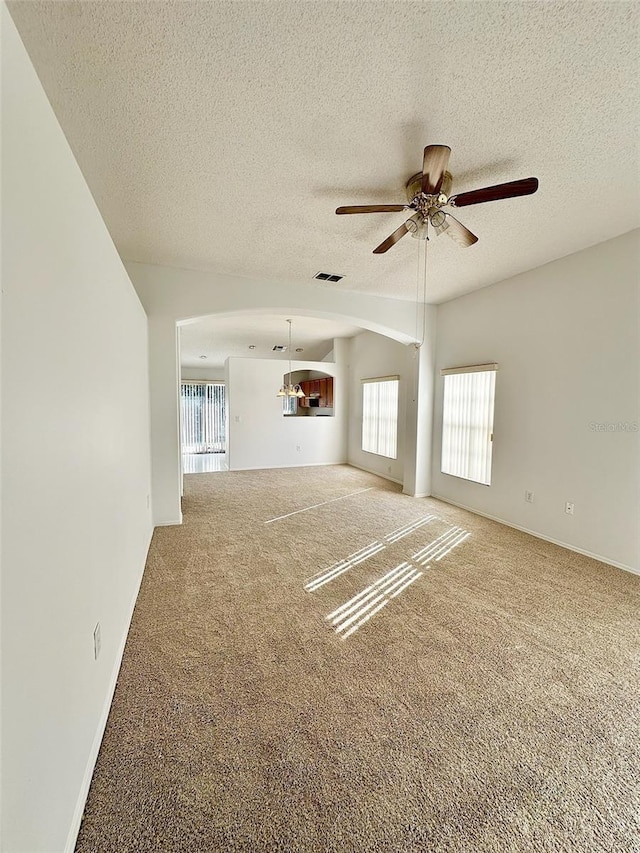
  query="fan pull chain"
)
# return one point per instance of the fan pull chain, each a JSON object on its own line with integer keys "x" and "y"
{"x": 422, "y": 267}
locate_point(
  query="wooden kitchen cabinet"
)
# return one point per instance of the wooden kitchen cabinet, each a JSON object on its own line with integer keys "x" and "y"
{"x": 320, "y": 388}
{"x": 329, "y": 393}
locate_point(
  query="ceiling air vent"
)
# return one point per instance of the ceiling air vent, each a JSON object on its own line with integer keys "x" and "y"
{"x": 328, "y": 276}
{"x": 279, "y": 348}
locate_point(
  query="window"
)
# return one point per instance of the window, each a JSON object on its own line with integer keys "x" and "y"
{"x": 289, "y": 405}
{"x": 467, "y": 422}
{"x": 203, "y": 415}
{"x": 380, "y": 416}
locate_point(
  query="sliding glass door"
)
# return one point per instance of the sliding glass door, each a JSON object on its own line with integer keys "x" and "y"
{"x": 203, "y": 414}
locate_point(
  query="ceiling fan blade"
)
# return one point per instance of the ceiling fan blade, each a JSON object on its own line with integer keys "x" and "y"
{"x": 526, "y": 186}
{"x": 434, "y": 165}
{"x": 459, "y": 232}
{"x": 392, "y": 239}
{"x": 372, "y": 208}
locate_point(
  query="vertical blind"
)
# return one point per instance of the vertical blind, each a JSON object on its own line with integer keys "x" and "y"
{"x": 380, "y": 416}
{"x": 289, "y": 405}
{"x": 203, "y": 410}
{"x": 467, "y": 422}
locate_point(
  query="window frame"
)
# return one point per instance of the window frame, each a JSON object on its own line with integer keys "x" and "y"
{"x": 468, "y": 415}
{"x": 375, "y": 436}
{"x": 207, "y": 419}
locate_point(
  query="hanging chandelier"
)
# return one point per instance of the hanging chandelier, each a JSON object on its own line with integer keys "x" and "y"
{"x": 290, "y": 390}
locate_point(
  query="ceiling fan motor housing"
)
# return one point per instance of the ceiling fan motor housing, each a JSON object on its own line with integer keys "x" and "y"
{"x": 414, "y": 186}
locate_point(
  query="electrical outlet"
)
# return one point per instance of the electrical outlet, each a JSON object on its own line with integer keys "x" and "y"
{"x": 97, "y": 641}
{"x": 568, "y": 508}
{"x": 298, "y": 448}
{"x": 528, "y": 496}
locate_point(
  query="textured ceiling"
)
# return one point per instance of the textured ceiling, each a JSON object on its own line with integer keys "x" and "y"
{"x": 218, "y": 338}
{"x": 222, "y": 136}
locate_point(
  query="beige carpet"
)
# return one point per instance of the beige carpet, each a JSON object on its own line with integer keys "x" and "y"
{"x": 492, "y": 704}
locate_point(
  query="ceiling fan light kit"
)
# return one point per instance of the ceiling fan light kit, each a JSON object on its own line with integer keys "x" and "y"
{"x": 429, "y": 192}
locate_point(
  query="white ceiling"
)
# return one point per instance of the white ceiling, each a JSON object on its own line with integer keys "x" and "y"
{"x": 218, "y": 338}
{"x": 223, "y": 135}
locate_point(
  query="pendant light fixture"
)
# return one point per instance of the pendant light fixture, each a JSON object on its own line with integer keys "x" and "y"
{"x": 290, "y": 390}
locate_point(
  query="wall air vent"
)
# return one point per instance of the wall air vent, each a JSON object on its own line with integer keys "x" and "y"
{"x": 279, "y": 348}
{"x": 328, "y": 276}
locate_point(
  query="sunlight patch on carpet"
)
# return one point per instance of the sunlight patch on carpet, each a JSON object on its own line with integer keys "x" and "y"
{"x": 359, "y": 609}
{"x": 441, "y": 546}
{"x": 342, "y": 566}
{"x": 401, "y": 532}
{"x": 315, "y": 506}
{"x": 327, "y": 575}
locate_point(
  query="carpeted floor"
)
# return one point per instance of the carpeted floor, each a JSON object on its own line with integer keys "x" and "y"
{"x": 475, "y": 690}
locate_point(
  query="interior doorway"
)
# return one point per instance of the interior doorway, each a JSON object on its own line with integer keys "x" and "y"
{"x": 203, "y": 430}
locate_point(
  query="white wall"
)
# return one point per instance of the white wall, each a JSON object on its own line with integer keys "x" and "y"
{"x": 261, "y": 437}
{"x": 75, "y": 457}
{"x": 172, "y": 295}
{"x": 372, "y": 355}
{"x": 419, "y": 413}
{"x": 566, "y": 337}
{"x": 203, "y": 374}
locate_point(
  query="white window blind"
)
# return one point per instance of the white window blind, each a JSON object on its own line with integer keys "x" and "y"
{"x": 289, "y": 405}
{"x": 467, "y": 422}
{"x": 380, "y": 416}
{"x": 203, "y": 413}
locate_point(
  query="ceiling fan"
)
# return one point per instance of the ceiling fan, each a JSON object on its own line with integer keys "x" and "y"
{"x": 429, "y": 192}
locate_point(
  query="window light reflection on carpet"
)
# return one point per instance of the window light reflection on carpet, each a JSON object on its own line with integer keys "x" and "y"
{"x": 359, "y": 609}
{"x": 441, "y": 546}
{"x": 343, "y": 565}
{"x": 315, "y": 506}
{"x": 337, "y": 569}
{"x": 401, "y": 532}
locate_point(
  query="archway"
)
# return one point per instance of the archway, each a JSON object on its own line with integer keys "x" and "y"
{"x": 174, "y": 298}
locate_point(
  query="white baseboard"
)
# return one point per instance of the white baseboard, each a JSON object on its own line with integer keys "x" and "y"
{"x": 284, "y": 467}
{"x": 74, "y": 829}
{"x": 377, "y": 473}
{"x": 168, "y": 522}
{"x": 537, "y": 535}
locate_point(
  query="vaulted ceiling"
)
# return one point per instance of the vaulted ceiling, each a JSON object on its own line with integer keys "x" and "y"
{"x": 223, "y": 135}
